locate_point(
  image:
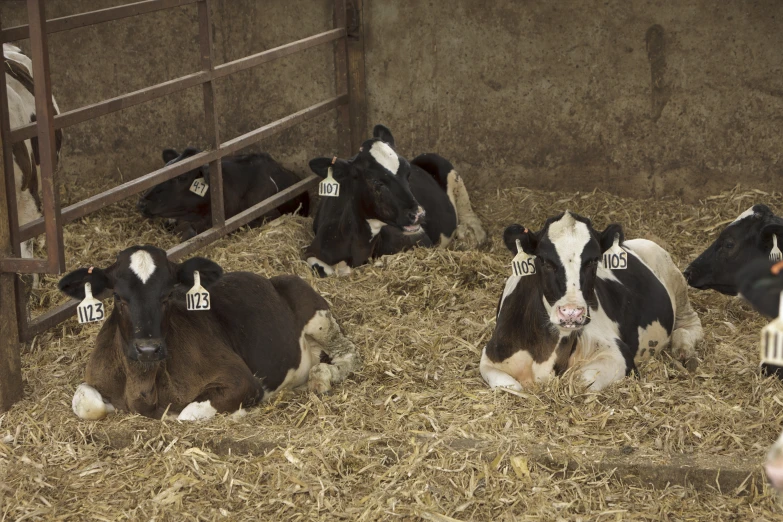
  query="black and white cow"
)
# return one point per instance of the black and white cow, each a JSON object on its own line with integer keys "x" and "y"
{"x": 387, "y": 205}
{"x": 574, "y": 311}
{"x": 748, "y": 237}
{"x": 247, "y": 179}
{"x": 152, "y": 355}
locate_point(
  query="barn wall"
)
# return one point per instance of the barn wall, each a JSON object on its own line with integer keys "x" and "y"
{"x": 639, "y": 98}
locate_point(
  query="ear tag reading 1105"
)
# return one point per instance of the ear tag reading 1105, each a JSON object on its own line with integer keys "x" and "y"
{"x": 329, "y": 187}
{"x": 775, "y": 254}
{"x": 90, "y": 310}
{"x": 523, "y": 264}
{"x": 615, "y": 258}
{"x": 772, "y": 339}
{"x": 197, "y": 297}
{"x": 199, "y": 187}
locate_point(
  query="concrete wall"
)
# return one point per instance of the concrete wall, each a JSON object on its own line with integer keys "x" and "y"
{"x": 636, "y": 97}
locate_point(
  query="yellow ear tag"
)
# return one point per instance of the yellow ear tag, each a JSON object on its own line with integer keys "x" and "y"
{"x": 199, "y": 187}
{"x": 772, "y": 339}
{"x": 523, "y": 264}
{"x": 775, "y": 254}
{"x": 329, "y": 187}
{"x": 197, "y": 297}
{"x": 615, "y": 258}
{"x": 90, "y": 310}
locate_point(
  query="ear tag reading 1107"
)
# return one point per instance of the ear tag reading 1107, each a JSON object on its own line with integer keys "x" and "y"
{"x": 772, "y": 339}
{"x": 199, "y": 187}
{"x": 775, "y": 254}
{"x": 329, "y": 187}
{"x": 615, "y": 258}
{"x": 197, "y": 297}
{"x": 523, "y": 264}
{"x": 90, "y": 310}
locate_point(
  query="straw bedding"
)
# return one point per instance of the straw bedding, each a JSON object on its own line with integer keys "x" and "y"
{"x": 416, "y": 435}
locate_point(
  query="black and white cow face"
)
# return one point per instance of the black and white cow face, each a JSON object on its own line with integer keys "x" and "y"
{"x": 568, "y": 252}
{"x": 747, "y": 238}
{"x": 143, "y": 281}
{"x": 173, "y": 198}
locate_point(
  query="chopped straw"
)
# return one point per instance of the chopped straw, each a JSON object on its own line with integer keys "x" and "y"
{"x": 416, "y": 434}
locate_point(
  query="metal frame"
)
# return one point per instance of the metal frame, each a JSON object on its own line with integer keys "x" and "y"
{"x": 349, "y": 103}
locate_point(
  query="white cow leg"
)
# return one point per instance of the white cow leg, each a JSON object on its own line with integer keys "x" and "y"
{"x": 495, "y": 377}
{"x": 26, "y": 250}
{"x": 345, "y": 357}
{"x": 88, "y": 404}
{"x": 469, "y": 229}
{"x": 604, "y": 368}
{"x": 197, "y": 411}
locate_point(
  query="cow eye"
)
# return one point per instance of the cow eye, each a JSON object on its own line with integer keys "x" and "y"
{"x": 728, "y": 245}
{"x": 550, "y": 266}
{"x": 592, "y": 262}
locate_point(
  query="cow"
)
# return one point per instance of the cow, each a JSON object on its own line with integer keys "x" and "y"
{"x": 573, "y": 311}
{"x": 387, "y": 205}
{"x": 21, "y": 111}
{"x": 247, "y": 179}
{"x": 748, "y": 237}
{"x": 153, "y": 355}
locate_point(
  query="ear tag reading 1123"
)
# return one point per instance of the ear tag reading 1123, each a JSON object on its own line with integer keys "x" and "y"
{"x": 615, "y": 258}
{"x": 199, "y": 187}
{"x": 197, "y": 297}
{"x": 90, "y": 310}
{"x": 523, "y": 264}
{"x": 329, "y": 187}
{"x": 775, "y": 254}
{"x": 772, "y": 339}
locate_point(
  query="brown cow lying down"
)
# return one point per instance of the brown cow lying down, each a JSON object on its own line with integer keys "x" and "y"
{"x": 259, "y": 336}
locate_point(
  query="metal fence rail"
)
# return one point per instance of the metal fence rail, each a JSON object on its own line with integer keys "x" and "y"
{"x": 349, "y": 103}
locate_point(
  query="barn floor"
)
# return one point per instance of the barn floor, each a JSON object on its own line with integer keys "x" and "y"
{"x": 416, "y": 435}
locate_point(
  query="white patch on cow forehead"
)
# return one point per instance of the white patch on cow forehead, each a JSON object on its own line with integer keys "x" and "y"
{"x": 386, "y": 156}
{"x": 569, "y": 237}
{"x": 747, "y": 213}
{"x": 142, "y": 264}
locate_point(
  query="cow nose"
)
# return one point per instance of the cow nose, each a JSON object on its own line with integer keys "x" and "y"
{"x": 148, "y": 349}
{"x": 687, "y": 273}
{"x": 416, "y": 215}
{"x": 570, "y": 314}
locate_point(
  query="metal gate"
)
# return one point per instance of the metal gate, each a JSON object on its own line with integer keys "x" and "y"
{"x": 351, "y": 129}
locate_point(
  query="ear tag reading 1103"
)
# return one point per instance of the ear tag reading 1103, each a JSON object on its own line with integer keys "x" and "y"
{"x": 615, "y": 258}
{"x": 329, "y": 187}
{"x": 772, "y": 339}
{"x": 90, "y": 310}
{"x": 775, "y": 254}
{"x": 199, "y": 187}
{"x": 523, "y": 264}
{"x": 197, "y": 297}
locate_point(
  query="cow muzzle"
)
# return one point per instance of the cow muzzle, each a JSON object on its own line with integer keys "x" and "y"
{"x": 415, "y": 217}
{"x": 149, "y": 350}
{"x": 572, "y": 316}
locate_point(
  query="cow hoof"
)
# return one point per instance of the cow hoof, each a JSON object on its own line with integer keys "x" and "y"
{"x": 197, "y": 411}
{"x": 88, "y": 404}
{"x": 691, "y": 364}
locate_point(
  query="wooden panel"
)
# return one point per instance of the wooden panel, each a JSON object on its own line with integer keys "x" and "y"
{"x": 356, "y": 83}
{"x": 344, "y": 148}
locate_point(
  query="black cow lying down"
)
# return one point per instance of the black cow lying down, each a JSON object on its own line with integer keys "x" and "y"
{"x": 387, "y": 205}
{"x": 247, "y": 179}
{"x": 152, "y": 354}
{"x": 575, "y": 312}
{"x": 748, "y": 237}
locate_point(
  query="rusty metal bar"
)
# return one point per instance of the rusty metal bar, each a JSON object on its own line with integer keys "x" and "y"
{"x": 125, "y": 101}
{"x": 110, "y": 14}
{"x": 8, "y": 162}
{"x": 44, "y": 111}
{"x": 341, "y": 84}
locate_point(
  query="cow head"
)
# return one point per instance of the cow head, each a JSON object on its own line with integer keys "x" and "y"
{"x": 747, "y": 238}
{"x": 568, "y": 253}
{"x": 144, "y": 283}
{"x": 377, "y": 179}
{"x": 173, "y": 198}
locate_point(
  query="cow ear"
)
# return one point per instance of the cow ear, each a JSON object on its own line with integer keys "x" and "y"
{"x": 204, "y": 170}
{"x": 765, "y": 240}
{"x": 320, "y": 166}
{"x": 208, "y": 271}
{"x": 526, "y": 237}
{"x": 73, "y": 284}
{"x": 606, "y": 238}
{"x": 383, "y": 133}
{"x": 169, "y": 154}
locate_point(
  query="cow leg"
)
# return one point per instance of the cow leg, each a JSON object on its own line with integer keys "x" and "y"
{"x": 469, "y": 227}
{"x": 323, "y": 330}
{"x": 495, "y": 377}
{"x": 687, "y": 333}
{"x": 238, "y": 387}
{"x": 88, "y": 403}
{"x": 26, "y": 250}
{"x": 605, "y": 367}
{"x": 774, "y": 464}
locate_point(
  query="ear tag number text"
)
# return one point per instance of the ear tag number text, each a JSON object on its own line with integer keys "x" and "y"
{"x": 772, "y": 339}
{"x": 199, "y": 187}
{"x": 775, "y": 254}
{"x": 615, "y": 258}
{"x": 197, "y": 297}
{"x": 90, "y": 310}
{"x": 523, "y": 264}
{"x": 329, "y": 187}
